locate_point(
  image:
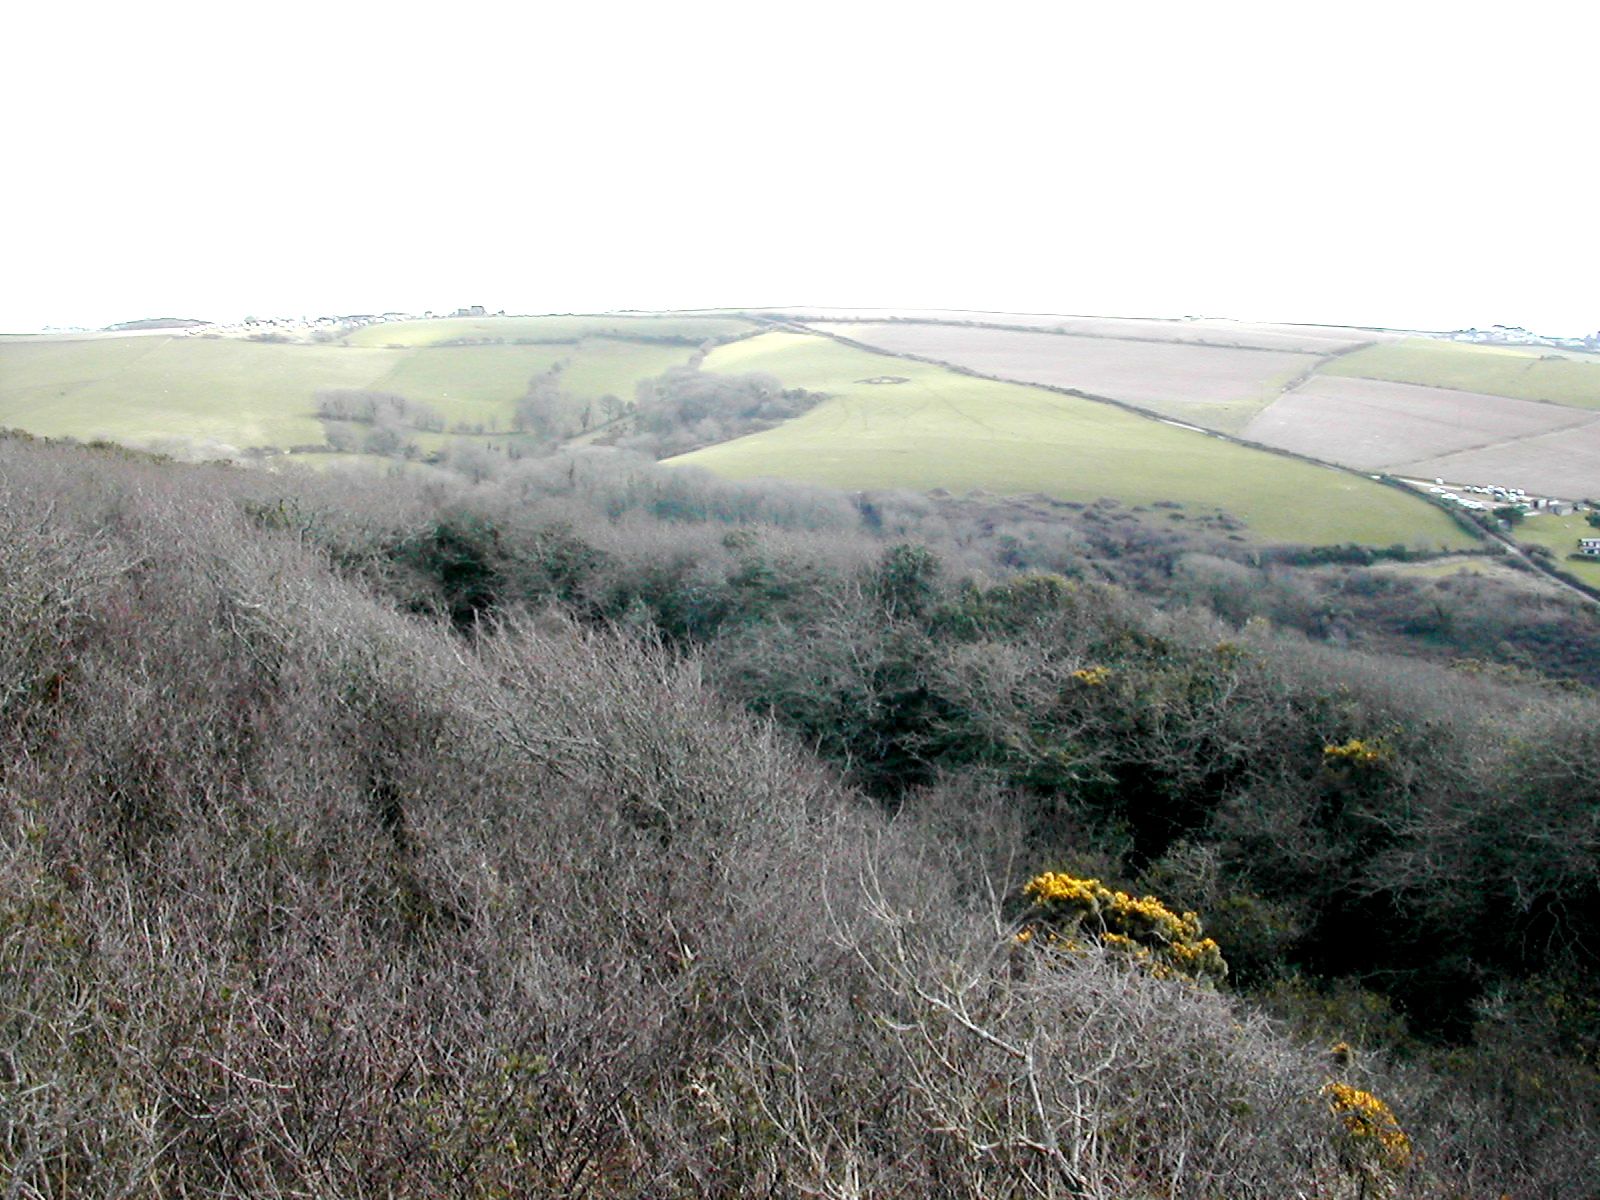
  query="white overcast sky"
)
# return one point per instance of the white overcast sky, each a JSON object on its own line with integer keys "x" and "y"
{"x": 1403, "y": 164}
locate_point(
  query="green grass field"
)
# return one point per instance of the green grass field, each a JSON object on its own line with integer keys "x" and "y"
{"x": 547, "y": 329}
{"x": 226, "y": 392}
{"x": 474, "y": 384}
{"x": 1561, "y": 535}
{"x": 481, "y": 384}
{"x": 605, "y": 366}
{"x": 1494, "y": 370}
{"x": 943, "y": 429}
{"x": 142, "y": 389}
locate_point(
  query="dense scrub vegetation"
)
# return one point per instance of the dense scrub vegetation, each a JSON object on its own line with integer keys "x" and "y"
{"x": 601, "y": 830}
{"x": 683, "y": 409}
{"x": 380, "y": 423}
{"x": 687, "y": 408}
{"x": 680, "y": 410}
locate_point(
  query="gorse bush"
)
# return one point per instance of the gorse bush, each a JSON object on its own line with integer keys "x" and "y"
{"x": 1372, "y": 1134}
{"x": 1356, "y": 752}
{"x": 1066, "y": 908}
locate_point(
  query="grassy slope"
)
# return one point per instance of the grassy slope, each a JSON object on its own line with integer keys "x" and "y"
{"x": 430, "y": 333}
{"x": 142, "y": 389}
{"x": 603, "y": 366}
{"x": 1561, "y": 534}
{"x": 139, "y": 389}
{"x": 476, "y": 384}
{"x": 942, "y": 429}
{"x": 480, "y": 384}
{"x": 1496, "y": 370}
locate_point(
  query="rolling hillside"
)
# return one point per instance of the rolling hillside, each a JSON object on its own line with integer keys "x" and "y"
{"x": 1428, "y": 432}
{"x": 1413, "y": 406}
{"x": 1219, "y": 387}
{"x": 684, "y": 330}
{"x": 140, "y": 390}
{"x": 1195, "y": 331}
{"x": 201, "y": 396}
{"x": 895, "y": 423}
{"x": 1522, "y": 374}
{"x": 889, "y": 421}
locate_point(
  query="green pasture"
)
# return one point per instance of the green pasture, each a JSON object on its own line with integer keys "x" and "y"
{"x": 546, "y": 329}
{"x": 161, "y": 392}
{"x": 59, "y": 366}
{"x": 1522, "y": 374}
{"x": 943, "y": 429}
{"x": 605, "y": 366}
{"x": 1561, "y": 534}
{"x": 481, "y": 384}
{"x": 478, "y": 385}
{"x": 139, "y": 390}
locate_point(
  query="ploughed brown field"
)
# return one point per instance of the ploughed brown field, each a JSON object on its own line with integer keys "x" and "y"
{"x": 1565, "y": 463}
{"x": 1202, "y": 331}
{"x": 1435, "y": 432}
{"x": 1212, "y": 386}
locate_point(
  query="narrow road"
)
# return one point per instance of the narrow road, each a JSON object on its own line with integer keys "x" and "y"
{"x": 1538, "y": 564}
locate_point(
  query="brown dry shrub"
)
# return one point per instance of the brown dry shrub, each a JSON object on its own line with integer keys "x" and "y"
{"x": 301, "y": 896}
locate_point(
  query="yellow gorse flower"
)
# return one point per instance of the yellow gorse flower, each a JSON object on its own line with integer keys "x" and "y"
{"x": 1357, "y": 752}
{"x": 1370, "y": 1125}
{"x": 1142, "y": 927}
